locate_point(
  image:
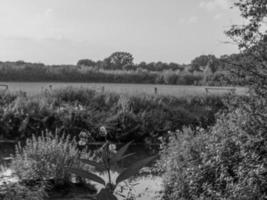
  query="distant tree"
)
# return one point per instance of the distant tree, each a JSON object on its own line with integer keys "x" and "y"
{"x": 202, "y": 61}
{"x": 20, "y": 62}
{"x": 129, "y": 67}
{"x": 119, "y": 59}
{"x": 175, "y": 66}
{"x": 86, "y": 62}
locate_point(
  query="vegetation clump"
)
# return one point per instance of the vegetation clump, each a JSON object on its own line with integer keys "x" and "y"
{"x": 229, "y": 161}
{"x": 44, "y": 158}
{"x": 70, "y": 111}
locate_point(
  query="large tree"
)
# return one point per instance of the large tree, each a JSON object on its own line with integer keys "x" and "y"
{"x": 200, "y": 62}
{"x": 252, "y": 41}
{"x": 250, "y": 68}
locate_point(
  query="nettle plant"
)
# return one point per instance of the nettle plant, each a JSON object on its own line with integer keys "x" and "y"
{"x": 109, "y": 159}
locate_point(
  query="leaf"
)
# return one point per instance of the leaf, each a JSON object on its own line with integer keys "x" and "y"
{"x": 99, "y": 166}
{"x": 105, "y": 194}
{"x": 121, "y": 152}
{"x": 134, "y": 169}
{"x": 114, "y": 159}
{"x": 86, "y": 174}
{"x": 127, "y": 155}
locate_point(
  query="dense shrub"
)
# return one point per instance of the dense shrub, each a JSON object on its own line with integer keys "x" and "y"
{"x": 18, "y": 191}
{"x": 228, "y": 162}
{"x": 45, "y": 158}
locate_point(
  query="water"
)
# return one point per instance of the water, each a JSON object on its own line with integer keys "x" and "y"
{"x": 6, "y": 150}
{"x": 145, "y": 187}
{"x": 132, "y": 89}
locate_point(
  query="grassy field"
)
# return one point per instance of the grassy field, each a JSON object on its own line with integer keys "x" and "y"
{"x": 132, "y": 89}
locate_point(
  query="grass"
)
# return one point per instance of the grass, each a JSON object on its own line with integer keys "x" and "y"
{"x": 131, "y": 89}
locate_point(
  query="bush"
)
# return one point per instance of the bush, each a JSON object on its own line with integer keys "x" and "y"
{"x": 179, "y": 156}
{"x": 45, "y": 158}
{"x": 18, "y": 191}
{"x": 227, "y": 162}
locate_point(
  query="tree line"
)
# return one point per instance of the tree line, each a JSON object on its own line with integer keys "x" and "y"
{"x": 119, "y": 67}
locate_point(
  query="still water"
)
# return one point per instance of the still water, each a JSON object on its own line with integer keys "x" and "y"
{"x": 146, "y": 186}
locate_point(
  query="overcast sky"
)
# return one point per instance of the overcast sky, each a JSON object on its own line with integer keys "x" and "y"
{"x": 64, "y": 31}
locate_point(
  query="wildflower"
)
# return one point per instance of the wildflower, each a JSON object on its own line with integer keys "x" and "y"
{"x": 83, "y": 134}
{"x": 82, "y": 142}
{"x": 103, "y": 131}
{"x": 112, "y": 148}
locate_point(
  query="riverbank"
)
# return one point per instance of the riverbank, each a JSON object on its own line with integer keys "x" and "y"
{"x": 141, "y": 118}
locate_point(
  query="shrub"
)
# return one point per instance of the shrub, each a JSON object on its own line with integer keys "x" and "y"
{"x": 18, "y": 191}
{"x": 179, "y": 156}
{"x": 227, "y": 162}
{"x": 45, "y": 158}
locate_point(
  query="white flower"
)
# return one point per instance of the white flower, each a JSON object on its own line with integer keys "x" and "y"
{"x": 103, "y": 131}
{"x": 112, "y": 148}
{"x": 82, "y": 142}
{"x": 83, "y": 134}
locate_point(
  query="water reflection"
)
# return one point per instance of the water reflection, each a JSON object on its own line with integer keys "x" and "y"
{"x": 143, "y": 187}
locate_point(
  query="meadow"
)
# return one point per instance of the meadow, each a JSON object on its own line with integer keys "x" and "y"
{"x": 32, "y": 88}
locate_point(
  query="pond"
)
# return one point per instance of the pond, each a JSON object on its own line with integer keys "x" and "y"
{"x": 146, "y": 186}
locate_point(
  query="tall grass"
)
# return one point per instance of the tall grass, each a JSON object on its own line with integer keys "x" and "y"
{"x": 45, "y": 158}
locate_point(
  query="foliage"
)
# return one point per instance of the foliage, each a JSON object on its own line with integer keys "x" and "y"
{"x": 110, "y": 158}
{"x": 86, "y": 62}
{"x": 204, "y": 60}
{"x": 44, "y": 158}
{"x": 229, "y": 162}
{"x": 118, "y": 60}
{"x": 127, "y": 118}
{"x": 117, "y": 68}
{"x": 179, "y": 156}
{"x": 18, "y": 191}
{"x": 250, "y": 67}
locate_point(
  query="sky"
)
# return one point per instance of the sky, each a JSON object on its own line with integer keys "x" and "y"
{"x": 64, "y": 31}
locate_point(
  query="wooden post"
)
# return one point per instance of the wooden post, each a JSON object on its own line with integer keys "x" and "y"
{"x": 103, "y": 89}
{"x": 156, "y": 91}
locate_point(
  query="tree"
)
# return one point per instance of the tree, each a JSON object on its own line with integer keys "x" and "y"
{"x": 119, "y": 59}
{"x": 251, "y": 69}
{"x": 252, "y": 41}
{"x": 86, "y": 62}
{"x": 202, "y": 61}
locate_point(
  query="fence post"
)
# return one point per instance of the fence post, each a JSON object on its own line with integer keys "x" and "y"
{"x": 103, "y": 89}
{"x": 156, "y": 90}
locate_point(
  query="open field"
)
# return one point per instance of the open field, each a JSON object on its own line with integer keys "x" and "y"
{"x": 173, "y": 90}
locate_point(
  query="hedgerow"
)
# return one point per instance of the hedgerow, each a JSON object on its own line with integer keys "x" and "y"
{"x": 126, "y": 117}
